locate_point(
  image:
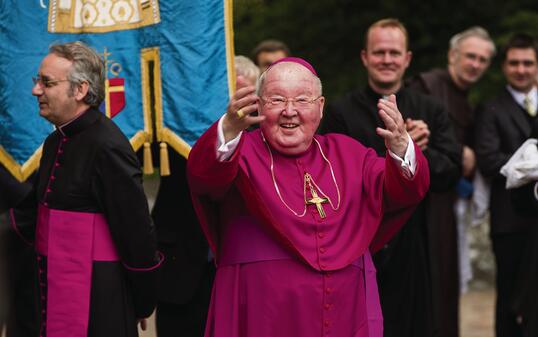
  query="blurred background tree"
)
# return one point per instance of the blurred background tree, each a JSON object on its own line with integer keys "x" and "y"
{"x": 330, "y": 34}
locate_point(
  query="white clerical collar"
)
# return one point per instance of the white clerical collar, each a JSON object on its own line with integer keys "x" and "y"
{"x": 520, "y": 96}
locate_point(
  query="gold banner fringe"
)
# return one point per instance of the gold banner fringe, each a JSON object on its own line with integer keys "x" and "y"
{"x": 164, "y": 161}
{"x": 148, "y": 160}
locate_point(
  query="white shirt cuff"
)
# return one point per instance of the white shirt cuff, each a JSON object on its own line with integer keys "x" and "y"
{"x": 225, "y": 150}
{"x": 408, "y": 164}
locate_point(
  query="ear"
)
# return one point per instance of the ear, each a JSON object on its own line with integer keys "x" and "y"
{"x": 504, "y": 68}
{"x": 452, "y": 53}
{"x": 408, "y": 57}
{"x": 81, "y": 90}
{"x": 321, "y": 105}
{"x": 363, "y": 58}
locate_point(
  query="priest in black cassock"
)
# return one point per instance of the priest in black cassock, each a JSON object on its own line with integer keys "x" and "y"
{"x": 97, "y": 258}
{"x": 469, "y": 56}
{"x": 404, "y": 264}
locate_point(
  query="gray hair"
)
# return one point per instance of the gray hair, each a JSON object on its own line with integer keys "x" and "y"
{"x": 245, "y": 67}
{"x": 261, "y": 82}
{"x": 475, "y": 31}
{"x": 87, "y": 67}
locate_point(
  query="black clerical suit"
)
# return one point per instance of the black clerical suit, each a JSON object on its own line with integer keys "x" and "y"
{"x": 502, "y": 125}
{"x": 88, "y": 170}
{"x": 187, "y": 272}
{"x": 403, "y": 267}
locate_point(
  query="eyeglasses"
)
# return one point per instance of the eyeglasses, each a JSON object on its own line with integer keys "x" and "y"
{"x": 45, "y": 82}
{"x": 281, "y": 102}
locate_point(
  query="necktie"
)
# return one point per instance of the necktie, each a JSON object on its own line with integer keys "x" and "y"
{"x": 527, "y": 105}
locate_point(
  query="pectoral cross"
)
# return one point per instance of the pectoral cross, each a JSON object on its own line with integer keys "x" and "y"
{"x": 316, "y": 199}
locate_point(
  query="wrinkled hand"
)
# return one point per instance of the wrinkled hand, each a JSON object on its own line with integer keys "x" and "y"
{"x": 394, "y": 134}
{"x": 143, "y": 324}
{"x": 245, "y": 100}
{"x": 419, "y": 132}
{"x": 469, "y": 161}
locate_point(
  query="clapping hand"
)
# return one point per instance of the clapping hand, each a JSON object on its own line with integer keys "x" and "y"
{"x": 419, "y": 132}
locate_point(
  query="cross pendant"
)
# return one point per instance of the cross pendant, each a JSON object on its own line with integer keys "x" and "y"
{"x": 316, "y": 199}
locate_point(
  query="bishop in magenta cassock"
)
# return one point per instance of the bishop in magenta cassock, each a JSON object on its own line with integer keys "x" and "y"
{"x": 291, "y": 217}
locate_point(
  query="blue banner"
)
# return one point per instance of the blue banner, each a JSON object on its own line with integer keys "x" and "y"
{"x": 168, "y": 68}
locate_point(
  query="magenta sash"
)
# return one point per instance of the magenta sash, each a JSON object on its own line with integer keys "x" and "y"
{"x": 71, "y": 241}
{"x": 244, "y": 241}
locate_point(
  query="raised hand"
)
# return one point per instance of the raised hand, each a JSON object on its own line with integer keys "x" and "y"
{"x": 241, "y": 105}
{"x": 394, "y": 133}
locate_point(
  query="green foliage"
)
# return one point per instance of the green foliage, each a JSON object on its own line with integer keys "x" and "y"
{"x": 330, "y": 34}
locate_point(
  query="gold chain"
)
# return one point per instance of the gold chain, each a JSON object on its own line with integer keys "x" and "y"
{"x": 307, "y": 177}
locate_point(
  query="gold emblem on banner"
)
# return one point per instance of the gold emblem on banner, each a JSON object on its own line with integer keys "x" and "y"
{"x": 100, "y": 16}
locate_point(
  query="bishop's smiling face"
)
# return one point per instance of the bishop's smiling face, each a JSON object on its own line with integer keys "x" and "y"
{"x": 289, "y": 126}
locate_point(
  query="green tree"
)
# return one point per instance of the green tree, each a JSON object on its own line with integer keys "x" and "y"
{"x": 330, "y": 34}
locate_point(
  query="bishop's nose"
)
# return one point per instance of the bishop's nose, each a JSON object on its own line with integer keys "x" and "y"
{"x": 289, "y": 109}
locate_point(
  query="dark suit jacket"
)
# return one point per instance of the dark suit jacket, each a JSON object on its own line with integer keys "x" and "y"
{"x": 523, "y": 198}
{"x": 501, "y": 127}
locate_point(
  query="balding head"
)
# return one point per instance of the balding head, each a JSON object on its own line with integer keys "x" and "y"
{"x": 291, "y": 62}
